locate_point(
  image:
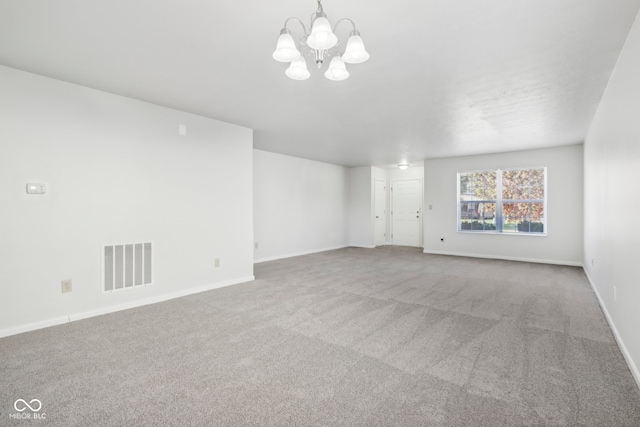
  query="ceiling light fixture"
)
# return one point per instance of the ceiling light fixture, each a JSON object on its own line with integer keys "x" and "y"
{"x": 319, "y": 43}
{"x": 403, "y": 166}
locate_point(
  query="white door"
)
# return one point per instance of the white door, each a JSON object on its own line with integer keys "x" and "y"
{"x": 406, "y": 212}
{"x": 380, "y": 220}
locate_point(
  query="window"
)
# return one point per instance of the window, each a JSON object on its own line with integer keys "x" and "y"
{"x": 504, "y": 201}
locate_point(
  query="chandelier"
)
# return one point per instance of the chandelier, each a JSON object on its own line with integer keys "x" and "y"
{"x": 319, "y": 43}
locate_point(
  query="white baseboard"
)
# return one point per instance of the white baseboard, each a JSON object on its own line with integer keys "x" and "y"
{"x": 314, "y": 251}
{"x": 119, "y": 307}
{"x": 508, "y": 258}
{"x": 158, "y": 298}
{"x": 33, "y": 326}
{"x": 627, "y": 357}
{"x": 363, "y": 246}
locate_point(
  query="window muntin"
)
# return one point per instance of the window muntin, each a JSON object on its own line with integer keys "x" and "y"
{"x": 510, "y": 201}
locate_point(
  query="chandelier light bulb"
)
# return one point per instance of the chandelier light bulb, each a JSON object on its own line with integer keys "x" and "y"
{"x": 298, "y": 70}
{"x": 286, "y": 50}
{"x": 337, "y": 70}
{"x": 355, "y": 52}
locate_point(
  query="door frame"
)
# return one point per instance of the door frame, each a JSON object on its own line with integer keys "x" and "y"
{"x": 385, "y": 240}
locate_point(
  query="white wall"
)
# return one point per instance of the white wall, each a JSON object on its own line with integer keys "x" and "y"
{"x": 361, "y": 233}
{"x": 117, "y": 172}
{"x": 412, "y": 172}
{"x": 612, "y": 207}
{"x": 300, "y": 206}
{"x": 563, "y": 243}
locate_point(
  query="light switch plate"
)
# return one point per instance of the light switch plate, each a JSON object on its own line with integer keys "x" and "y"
{"x": 36, "y": 188}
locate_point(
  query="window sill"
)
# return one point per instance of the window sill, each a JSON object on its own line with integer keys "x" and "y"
{"x": 502, "y": 233}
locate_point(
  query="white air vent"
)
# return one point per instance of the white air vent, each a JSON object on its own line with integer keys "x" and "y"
{"x": 126, "y": 266}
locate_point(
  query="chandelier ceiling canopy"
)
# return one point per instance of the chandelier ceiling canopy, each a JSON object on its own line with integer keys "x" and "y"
{"x": 319, "y": 43}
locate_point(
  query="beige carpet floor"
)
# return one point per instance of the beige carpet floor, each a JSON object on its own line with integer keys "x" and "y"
{"x": 375, "y": 337}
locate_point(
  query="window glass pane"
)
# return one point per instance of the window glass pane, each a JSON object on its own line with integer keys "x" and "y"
{"x": 536, "y": 179}
{"x": 477, "y": 216}
{"x": 467, "y": 210}
{"x": 523, "y": 217}
{"x": 523, "y": 184}
{"x": 487, "y": 211}
{"x": 478, "y": 186}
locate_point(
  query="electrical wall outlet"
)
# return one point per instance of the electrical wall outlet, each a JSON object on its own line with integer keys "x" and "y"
{"x": 66, "y": 286}
{"x": 255, "y": 245}
{"x": 217, "y": 262}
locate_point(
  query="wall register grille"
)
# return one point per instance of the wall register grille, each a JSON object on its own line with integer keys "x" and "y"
{"x": 126, "y": 266}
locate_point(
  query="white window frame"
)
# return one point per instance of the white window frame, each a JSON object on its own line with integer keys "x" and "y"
{"x": 499, "y": 204}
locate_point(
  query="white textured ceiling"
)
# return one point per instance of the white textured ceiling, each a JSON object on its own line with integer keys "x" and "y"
{"x": 445, "y": 78}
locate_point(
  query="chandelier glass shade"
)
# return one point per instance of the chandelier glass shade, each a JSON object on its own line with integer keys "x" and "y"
{"x": 286, "y": 50}
{"x": 298, "y": 69}
{"x": 319, "y": 43}
{"x": 337, "y": 69}
{"x": 321, "y": 37}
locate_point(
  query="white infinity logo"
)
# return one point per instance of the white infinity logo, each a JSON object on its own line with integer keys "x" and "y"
{"x": 26, "y": 405}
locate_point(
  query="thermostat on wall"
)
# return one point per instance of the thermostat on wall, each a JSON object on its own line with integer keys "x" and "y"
{"x": 33, "y": 188}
